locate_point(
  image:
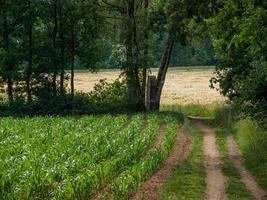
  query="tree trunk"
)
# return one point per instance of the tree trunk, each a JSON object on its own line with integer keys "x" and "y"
{"x": 7, "y": 64}
{"x": 163, "y": 71}
{"x": 62, "y": 50}
{"x": 29, "y": 69}
{"x": 72, "y": 62}
{"x": 131, "y": 66}
{"x": 145, "y": 66}
{"x": 55, "y": 69}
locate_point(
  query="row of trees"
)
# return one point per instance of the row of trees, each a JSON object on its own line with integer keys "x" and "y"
{"x": 40, "y": 39}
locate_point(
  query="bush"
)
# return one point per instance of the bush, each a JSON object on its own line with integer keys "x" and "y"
{"x": 238, "y": 32}
{"x": 109, "y": 96}
{"x": 105, "y": 98}
{"x": 224, "y": 116}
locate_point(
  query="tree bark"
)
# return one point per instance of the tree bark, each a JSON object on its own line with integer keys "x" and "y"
{"x": 72, "y": 62}
{"x": 145, "y": 66}
{"x": 29, "y": 69}
{"x": 7, "y": 64}
{"x": 131, "y": 68}
{"x": 163, "y": 71}
{"x": 62, "y": 50}
{"x": 55, "y": 31}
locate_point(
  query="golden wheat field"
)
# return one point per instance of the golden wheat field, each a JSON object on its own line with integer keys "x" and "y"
{"x": 183, "y": 85}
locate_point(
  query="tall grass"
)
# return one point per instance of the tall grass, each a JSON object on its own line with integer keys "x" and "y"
{"x": 193, "y": 110}
{"x": 224, "y": 116}
{"x": 252, "y": 141}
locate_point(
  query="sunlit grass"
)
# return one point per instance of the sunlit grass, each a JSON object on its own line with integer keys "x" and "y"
{"x": 236, "y": 189}
{"x": 188, "y": 181}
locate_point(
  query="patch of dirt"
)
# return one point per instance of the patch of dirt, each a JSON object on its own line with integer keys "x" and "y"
{"x": 256, "y": 191}
{"x": 152, "y": 188}
{"x": 159, "y": 138}
{"x": 216, "y": 182}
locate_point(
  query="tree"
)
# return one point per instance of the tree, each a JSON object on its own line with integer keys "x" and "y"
{"x": 179, "y": 16}
{"x": 84, "y": 26}
{"x": 238, "y": 32}
{"x": 130, "y": 33}
{"x": 9, "y": 57}
{"x": 39, "y": 40}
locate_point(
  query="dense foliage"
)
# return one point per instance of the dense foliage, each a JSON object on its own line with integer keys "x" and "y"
{"x": 105, "y": 98}
{"x": 239, "y": 33}
{"x": 40, "y": 39}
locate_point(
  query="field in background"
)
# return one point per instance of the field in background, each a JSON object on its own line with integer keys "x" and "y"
{"x": 184, "y": 85}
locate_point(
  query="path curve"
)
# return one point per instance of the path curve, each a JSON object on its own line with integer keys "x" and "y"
{"x": 152, "y": 188}
{"x": 216, "y": 182}
{"x": 256, "y": 191}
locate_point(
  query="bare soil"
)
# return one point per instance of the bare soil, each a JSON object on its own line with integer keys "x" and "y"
{"x": 256, "y": 191}
{"x": 152, "y": 188}
{"x": 216, "y": 182}
{"x": 159, "y": 138}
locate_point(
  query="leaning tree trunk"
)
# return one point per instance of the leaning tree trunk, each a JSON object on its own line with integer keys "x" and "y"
{"x": 163, "y": 71}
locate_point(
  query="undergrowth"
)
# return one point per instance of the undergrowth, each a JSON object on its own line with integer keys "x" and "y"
{"x": 252, "y": 141}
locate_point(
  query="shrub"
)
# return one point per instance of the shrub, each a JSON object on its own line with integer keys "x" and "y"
{"x": 224, "y": 116}
{"x": 109, "y": 96}
{"x": 105, "y": 98}
{"x": 238, "y": 32}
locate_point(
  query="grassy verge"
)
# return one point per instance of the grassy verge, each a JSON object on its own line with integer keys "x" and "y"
{"x": 252, "y": 141}
{"x": 188, "y": 181}
{"x": 194, "y": 110}
{"x": 236, "y": 189}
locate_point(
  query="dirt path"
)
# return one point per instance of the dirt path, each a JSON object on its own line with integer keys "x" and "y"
{"x": 256, "y": 191}
{"x": 151, "y": 189}
{"x": 159, "y": 138}
{"x": 216, "y": 182}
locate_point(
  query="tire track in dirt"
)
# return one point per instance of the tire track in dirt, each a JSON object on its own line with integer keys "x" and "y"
{"x": 158, "y": 142}
{"x": 256, "y": 191}
{"x": 152, "y": 188}
{"x": 216, "y": 182}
